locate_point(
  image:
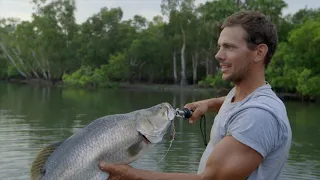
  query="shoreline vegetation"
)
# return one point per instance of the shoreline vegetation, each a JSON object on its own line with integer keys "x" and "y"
{"x": 216, "y": 91}
{"x": 173, "y": 51}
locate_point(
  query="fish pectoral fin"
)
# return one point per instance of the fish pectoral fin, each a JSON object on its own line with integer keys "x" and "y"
{"x": 37, "y": 171}
{"x": 135, "y": 148}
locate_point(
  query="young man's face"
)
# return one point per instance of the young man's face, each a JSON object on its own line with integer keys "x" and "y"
{"x": 235, "y": 58}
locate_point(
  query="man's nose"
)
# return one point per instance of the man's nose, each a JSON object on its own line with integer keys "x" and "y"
{"x": 220, "y": 56}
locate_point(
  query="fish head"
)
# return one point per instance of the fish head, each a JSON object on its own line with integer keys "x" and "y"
{"x": 153, "y": 123}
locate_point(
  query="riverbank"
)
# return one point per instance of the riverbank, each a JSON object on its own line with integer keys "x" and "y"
{"x": 34, "y": 82}
{"x": 201, "y": 89}
{"x": 173, "y": 88}
{"x": 163, "y": 88}
{"x": 122, "y": 85}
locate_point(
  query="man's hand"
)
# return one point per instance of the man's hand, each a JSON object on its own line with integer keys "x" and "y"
{"x": 125, "y": 172}
{"x": 117, "y": 172}
{"x": 230, "y": 160}
{"x": 199, "y": 108}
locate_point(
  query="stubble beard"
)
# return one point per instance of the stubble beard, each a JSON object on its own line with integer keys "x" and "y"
{"x": 240, "y": 74}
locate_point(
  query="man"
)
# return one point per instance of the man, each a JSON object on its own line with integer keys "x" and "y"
{"x": 251, "y": 135}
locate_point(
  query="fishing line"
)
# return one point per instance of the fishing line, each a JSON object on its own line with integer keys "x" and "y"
{"x": 172, "y": 133}
{"x": 186, "y": 114}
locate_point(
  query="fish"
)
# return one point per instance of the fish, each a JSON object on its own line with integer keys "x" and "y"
{"x": 118, "y": 139}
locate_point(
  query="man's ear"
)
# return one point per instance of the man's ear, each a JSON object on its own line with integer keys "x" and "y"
{"x": 261, "y": 52}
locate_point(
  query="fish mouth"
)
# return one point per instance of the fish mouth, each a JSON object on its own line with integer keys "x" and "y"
{"x": 145, "y": 139}
{"x": 155, "y": 124}
{"x": 170, "y": 112}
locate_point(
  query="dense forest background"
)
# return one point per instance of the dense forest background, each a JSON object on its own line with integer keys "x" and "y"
{"x": 177, "y": 47}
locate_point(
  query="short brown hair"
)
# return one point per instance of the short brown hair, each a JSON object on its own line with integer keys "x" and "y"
{"x": 260, "y": 30}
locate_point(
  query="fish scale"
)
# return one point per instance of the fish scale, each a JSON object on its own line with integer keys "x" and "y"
{"x": 113, "y": 139}
{"x": 84, "y": 149}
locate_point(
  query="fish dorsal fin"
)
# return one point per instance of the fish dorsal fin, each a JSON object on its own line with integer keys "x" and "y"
{"x": 37, "y": 171}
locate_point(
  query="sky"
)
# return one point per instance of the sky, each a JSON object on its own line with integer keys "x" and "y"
{"x": 147, "y": 8}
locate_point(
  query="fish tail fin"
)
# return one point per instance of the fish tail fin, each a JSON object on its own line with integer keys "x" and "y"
{"x": 37, "y": 171}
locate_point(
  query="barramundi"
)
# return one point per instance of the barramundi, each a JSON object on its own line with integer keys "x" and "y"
{"x": 119, "y": 139}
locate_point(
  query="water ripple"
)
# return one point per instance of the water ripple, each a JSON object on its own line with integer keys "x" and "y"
{"x": 24, "y": 132}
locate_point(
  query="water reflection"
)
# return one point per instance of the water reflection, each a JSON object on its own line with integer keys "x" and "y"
{"x": 31, "y": 117}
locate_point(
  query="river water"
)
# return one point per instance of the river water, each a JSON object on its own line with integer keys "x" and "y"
{"x": 31, "y": 117}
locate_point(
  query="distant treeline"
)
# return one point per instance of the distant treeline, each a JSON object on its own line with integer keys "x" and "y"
{"x": 105, "y": 50}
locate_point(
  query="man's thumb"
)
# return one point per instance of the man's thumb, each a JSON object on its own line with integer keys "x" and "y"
{"x": 195, "y": 116}
{"x": 106, "y": 167}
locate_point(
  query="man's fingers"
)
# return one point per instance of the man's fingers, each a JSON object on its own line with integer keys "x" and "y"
{"x": 195, "y": 116}
{"x": 198, "y": 111}
{"x": 190, "y": 106}
{"x": 106, "y": 167}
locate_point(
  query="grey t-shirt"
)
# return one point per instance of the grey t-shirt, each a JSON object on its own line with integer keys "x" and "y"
{"x": 259, "y": 121}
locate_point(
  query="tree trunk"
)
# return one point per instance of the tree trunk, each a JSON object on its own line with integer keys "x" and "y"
{"x": 175, "y": 76}
{"x": 33, "y": 70}
{"x": 40, "y": 66}
{"x": 238, "y": 3}
{"x": 183, "y": 63}
{"x": 195, "y": 66}
{"x": 48, "y": 70}
{"x": 207, "y": 65}
{"x": 21, "y": 61}
{"x": 12, "y": 61}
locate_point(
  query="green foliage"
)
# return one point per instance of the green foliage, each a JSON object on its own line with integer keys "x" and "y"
{"x": 279, "y": 73}
{"x": 3, "y": 72}
{"x": 105, "y": 49}
{"x": 88, "y": 77}
{"x": 12, "y": 72}
{"x": 308, "y": 85}
{"x": 215, "y": 81}
{"x": 3, "y": 68}
{"x": 296, "y": 65}
{"x": 117, "y": 67}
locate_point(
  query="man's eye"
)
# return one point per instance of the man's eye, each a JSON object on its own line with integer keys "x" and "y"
{"x": 228, "y": 47}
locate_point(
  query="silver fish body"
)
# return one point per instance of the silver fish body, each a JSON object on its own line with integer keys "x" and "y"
{"x": 119, "y": 139}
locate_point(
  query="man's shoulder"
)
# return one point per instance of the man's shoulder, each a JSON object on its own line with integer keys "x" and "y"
{"x": 264, "y": 105}
{"x": 260, "y": 127}
{"x": 265, "y": 109}
{"x": 266, "y": 99}
{"x": 261, "y": 104}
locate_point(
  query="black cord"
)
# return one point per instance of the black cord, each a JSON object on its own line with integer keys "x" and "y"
{"x": 188, "y": 114}
{"x": 203, "y": 132}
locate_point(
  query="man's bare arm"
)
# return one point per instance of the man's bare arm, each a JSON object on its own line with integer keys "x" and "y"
{"x": 199, "y": 108}
{"x": 150, "y": 175}
{"x": 230, "y": 160}
{"x": 124, "y": 172}
{"x": 214, "y": 104}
